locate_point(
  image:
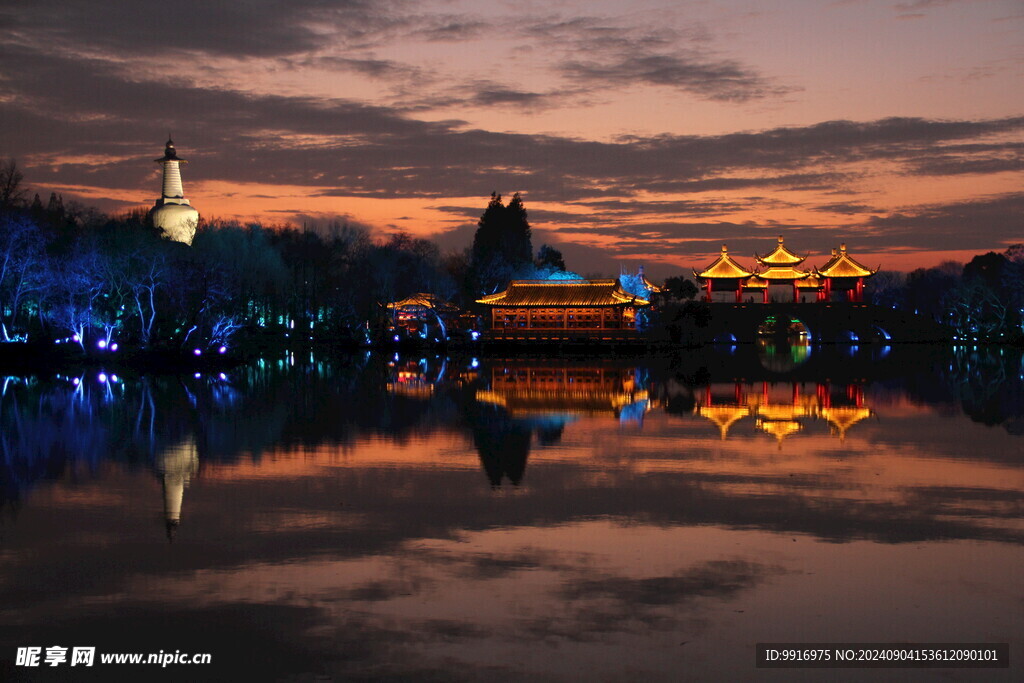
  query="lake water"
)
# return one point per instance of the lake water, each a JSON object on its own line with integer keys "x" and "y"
{"x": 430, "y": 518}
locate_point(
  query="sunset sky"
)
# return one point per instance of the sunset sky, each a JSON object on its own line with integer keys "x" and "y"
{"x": 636, "y": 132}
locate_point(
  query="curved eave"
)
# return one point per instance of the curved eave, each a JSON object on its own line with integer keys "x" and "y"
{"x": 755, "y": 281}
{"x": 651, "y": 287}
{"x": 810, "y": 282}
{"x": 781, "y": 256}
{"x": 844, "y": 266}
{"x": 783, "y": 274}
{"x": 724, "y": 268}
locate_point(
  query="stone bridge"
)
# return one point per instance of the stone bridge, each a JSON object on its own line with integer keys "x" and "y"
{"x": 836, "y": 322}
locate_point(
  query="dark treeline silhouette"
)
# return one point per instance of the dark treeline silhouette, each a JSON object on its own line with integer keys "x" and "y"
{"x": 71, "y": 274}
{"x": 983, "y": 300}
{"x": 78, "y": 277}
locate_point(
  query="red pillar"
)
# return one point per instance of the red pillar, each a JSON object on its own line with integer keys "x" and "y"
{"x": 739, "y": 292}
{"x": 707, "y": 287}
{"x": 766, "y": 299}
{"x": 860, "y": 290}
{"x": 796, "y": 293}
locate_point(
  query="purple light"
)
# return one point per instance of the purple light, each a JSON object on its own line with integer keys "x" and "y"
{"x": 102, "y": 378}
{"x": 396, "y": 337}
{"x": 198, "y": 375}
{"x": 102, "y": 343}
{"x": 197, "y": 352}
{"x": 77, "y": 338}
{"x": 113, "y": 347}
{"x": 113, "y": 379}
{"x": 222, "y": 349}
{"x": 76, "y": 381}
{"x": 223, "y": 376}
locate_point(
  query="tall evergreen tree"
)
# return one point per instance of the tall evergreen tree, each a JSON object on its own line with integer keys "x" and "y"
{"x": 501, "y": 246}
{"x": 517, "y": 233}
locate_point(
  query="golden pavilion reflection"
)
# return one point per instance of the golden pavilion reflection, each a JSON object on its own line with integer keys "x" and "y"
{"x": 782, "y": 410}
{"x": 529, "y": 389}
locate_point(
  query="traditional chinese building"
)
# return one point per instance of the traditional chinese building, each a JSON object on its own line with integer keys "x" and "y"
{"x": 723, "y": 275}
{"x": 782, "y": 267}
{"x": 415, "y": 314}
{"x": 843, "y": 274}
{"x": 172, "y": 213}
{"x": 562, "y": 309}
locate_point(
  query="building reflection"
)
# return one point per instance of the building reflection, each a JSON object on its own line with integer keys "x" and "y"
{"x": 782, "y": 410}
{"x": 415, "y": 377}
{"x": 528, "y": 390}
{"x": 516, "y": 400}
{"x": 176, "y": 465}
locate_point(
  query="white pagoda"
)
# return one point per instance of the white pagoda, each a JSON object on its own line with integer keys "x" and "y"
{"x": 172, "y": 213}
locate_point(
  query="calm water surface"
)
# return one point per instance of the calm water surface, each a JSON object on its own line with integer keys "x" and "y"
{"x": 375, "y": 517}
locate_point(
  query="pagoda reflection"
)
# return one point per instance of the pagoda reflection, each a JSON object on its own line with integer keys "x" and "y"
{"x": 782, "y": 410}
{"x": 176, "y": 465}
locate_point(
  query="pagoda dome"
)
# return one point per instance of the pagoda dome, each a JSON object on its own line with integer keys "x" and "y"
{"x": 177, "y": 221}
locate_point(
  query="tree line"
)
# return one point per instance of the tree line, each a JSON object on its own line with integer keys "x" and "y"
{"x": 982, "y": 300}
{"x": 74, "y": 275}
{"x": 71, "y": 274}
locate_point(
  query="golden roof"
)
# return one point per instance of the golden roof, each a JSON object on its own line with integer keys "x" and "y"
{"x": 723, "y": 416}
{"x": 780, "y": 429}
{"x": 842, "y": 418}
{"x": 424, "y": 300}
{"x": 812, "y": 281}
{"x": 651, "y": 287}
{"x": 755, "y": 281}
{"x": 787, "y": 273}
{"x": 780, "y": 256}
{"x": 842, "y": 265}
{"x": 556, "y": 293}
{"x": 723, "y": 268}
{"x": 527, "y": 402}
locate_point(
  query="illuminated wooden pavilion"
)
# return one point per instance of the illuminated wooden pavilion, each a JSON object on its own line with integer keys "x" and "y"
{"x": 563, "y": 309}
{"x": 723, "y": 275}
{"x": 416, "y": 311}
{"x": 782, "y": 267}
{"x": 843, "y": 274}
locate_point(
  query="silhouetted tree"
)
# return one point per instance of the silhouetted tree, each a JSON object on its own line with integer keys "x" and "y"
{"x": 549, "y": 257}
{"x": 679, "y": 288}
{"x": 12, "y": 192}
{"x": 501, "y": 245}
